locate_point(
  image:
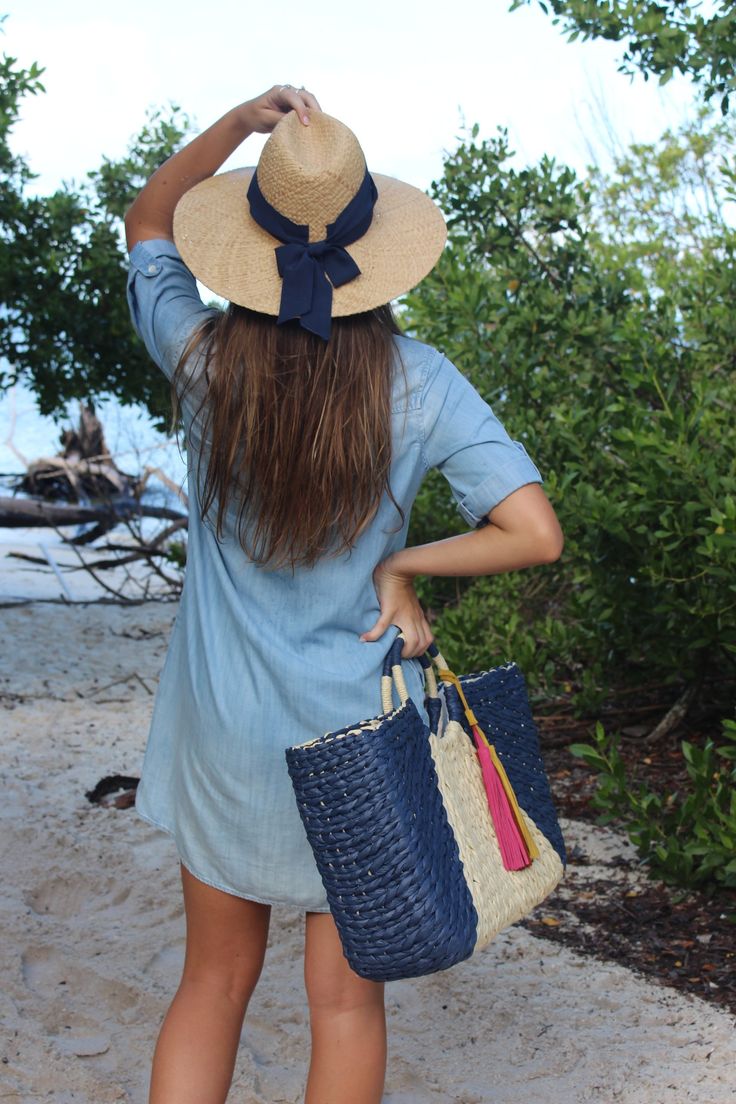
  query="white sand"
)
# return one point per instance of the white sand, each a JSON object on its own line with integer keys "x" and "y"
{"x": 93, "y": 930}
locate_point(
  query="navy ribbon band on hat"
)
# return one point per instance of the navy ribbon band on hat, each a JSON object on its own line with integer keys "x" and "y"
{"x": 310, "y": 270}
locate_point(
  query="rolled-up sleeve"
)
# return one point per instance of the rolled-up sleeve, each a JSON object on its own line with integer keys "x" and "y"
{"x": 464, "y": 439}
{"x": 165, "y": 306}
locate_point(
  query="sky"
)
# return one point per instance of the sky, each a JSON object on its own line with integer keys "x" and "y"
{"x": 403, "y": 74}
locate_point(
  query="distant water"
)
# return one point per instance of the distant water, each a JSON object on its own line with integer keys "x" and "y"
{"x": 129, "y": 432}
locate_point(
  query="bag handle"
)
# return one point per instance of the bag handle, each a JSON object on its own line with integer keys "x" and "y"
{"x": 393, "y": 675}
{"x": 451, "y": 679}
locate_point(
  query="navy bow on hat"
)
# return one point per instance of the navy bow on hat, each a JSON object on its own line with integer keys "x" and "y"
{"x": 310, "y": 270}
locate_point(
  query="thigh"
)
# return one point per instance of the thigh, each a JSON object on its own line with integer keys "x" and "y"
{"x": 226, "y": 935}
{"x": 330, "y": 982}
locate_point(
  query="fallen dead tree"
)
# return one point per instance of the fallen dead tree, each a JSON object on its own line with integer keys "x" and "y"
{"x": 84, "y": 469}
{"x": 82, "y": 487}
{"x": 86, "y": 474}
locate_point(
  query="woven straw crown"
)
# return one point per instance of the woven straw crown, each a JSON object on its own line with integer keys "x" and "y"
{"x": 309, "y": 174}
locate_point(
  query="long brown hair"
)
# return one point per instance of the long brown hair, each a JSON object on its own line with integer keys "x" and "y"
{"x": 296, "y": 430}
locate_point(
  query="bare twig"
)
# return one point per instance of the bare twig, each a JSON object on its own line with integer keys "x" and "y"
{"x": 100, "y": 582}
{"x": 175, "y": 488}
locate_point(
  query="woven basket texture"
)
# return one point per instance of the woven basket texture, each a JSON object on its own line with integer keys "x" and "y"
{"x": 386, "y": 852}
{"x": 501, "y": 896}
{"x": 500, "y": 702}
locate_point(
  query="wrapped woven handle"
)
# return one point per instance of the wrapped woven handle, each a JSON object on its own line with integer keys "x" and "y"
{"x": 393, "y": 676}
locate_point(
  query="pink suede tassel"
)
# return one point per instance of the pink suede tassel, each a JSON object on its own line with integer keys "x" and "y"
{"x": 510, "y": 841}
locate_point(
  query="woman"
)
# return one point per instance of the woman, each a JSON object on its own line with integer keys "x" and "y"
{"x": 307, "y": 438}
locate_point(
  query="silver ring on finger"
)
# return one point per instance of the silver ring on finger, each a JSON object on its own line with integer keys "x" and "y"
{"x": 285, "y": 86}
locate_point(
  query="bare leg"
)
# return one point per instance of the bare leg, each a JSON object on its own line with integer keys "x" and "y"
{"x": 226, "y": 943}
{"x": 347, "y": 1019}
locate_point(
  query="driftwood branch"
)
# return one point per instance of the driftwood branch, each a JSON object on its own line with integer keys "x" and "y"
{"x": 143, "y": 553}
{"x": 104, "y": 600}
{"x": 28, "y": 513}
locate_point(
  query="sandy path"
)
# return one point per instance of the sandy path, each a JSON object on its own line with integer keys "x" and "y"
{"x": 93, "y": 931}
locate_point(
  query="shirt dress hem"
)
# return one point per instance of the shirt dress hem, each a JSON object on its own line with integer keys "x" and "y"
{"x": 220, "y": 885}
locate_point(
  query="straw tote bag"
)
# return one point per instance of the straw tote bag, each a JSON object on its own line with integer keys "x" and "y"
{"x": 430, "y": 840}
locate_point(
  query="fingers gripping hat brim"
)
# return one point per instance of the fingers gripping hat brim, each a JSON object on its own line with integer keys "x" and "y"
{"x": 234, "y": 257}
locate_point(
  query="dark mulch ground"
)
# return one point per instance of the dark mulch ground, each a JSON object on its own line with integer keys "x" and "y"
{"x": 686, "y": 940}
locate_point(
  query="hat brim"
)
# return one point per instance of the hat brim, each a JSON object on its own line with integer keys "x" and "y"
{"x": 234, "y": 257}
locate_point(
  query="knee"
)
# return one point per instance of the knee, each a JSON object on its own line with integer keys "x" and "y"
{"x": 330, "y": 995}
{"x": 234, "y": 982}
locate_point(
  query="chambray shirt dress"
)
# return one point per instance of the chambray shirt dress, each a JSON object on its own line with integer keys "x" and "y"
{"x": 260, "y": 659}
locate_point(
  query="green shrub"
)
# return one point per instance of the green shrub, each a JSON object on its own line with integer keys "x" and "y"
{"x": 596, "y": 316}
{"x": 175, "y": 553}
{"x": 686, "y": 838}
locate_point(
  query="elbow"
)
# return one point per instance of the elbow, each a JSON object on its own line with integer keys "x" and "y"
{"x": 135, "y": 223}
{"x": 549, "y": 544}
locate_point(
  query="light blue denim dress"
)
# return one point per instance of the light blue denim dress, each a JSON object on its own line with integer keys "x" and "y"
{"x": 260, "y": 659}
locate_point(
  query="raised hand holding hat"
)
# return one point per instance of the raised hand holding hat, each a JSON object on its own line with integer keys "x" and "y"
{"x": 151, "y": 215}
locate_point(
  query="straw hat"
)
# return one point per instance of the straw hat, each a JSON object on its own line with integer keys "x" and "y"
{"x": 309, "y": 174}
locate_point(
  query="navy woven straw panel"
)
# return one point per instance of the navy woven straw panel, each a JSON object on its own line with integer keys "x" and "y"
{"x": 500, "y": 701}
{"x": 386, "y": 853}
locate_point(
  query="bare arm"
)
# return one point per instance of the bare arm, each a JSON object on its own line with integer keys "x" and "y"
{"x": 523, "y": 531}
{"x": 151, "y": 215}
